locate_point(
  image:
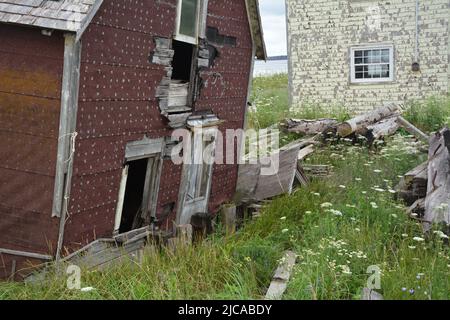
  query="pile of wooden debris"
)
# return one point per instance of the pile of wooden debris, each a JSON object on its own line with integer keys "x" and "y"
{"x": 426, "y": 189}
{"x": 254, "y": 187}
{"x": 373, "y": 125}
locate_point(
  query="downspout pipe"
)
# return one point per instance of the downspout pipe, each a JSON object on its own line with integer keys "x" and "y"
{"x": 416, "y": 65}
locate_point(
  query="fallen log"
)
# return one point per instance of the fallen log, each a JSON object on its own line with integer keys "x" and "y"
{"x": 362, "y": 121}
{"x": 437, "y": 203}
{"x": 309, "y": 127}
{"x": 381, "y": 129}
{"x": 413, "y": 130}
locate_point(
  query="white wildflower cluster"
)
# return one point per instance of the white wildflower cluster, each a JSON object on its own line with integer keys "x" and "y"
{"x": 335, "y": 212}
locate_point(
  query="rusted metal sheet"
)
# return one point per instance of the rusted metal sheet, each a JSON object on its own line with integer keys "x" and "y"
{"x": 30, "y": 82}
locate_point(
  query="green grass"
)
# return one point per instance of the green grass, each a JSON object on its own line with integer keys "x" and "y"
{"x": 339, "y": 226}
{"x": 241, "y": 266}
{"x": 429, "y": 116}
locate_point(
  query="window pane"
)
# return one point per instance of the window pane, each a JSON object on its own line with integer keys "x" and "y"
{"x": 358, "y": 60}
{"x": 188, "y": 19}
{"x": 385, "y": 71}
{"x": 358, "y": 54}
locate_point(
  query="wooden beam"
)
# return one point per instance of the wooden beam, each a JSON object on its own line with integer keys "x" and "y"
{"x": 67, "y": 133}
{"x": 413, "y": 130}
{"x": 26, "y": 254}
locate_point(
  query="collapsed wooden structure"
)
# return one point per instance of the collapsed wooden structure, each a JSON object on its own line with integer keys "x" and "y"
{"x": 426, "y": 189}
{"x": 90, "y": 94}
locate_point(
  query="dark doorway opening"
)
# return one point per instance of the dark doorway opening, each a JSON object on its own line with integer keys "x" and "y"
{"x": 134, "y": 195}
{"x": 182, "y": 61}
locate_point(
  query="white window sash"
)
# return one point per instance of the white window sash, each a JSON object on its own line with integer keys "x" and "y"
{"x": 353, "y": 78}
{"x": 185, "y": 38}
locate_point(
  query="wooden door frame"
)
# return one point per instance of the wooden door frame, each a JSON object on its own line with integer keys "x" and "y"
{"x": 151, "y": 149}
{"x": 187, "y": 172}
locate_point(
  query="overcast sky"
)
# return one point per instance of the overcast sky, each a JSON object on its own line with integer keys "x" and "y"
{"x": 274, "y": 25}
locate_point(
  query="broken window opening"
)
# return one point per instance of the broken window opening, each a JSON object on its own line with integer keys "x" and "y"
{"x": 134, "y": 195}
{"x": 182, "y": 61}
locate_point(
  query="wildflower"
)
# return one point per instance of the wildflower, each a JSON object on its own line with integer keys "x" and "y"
{"x": 248, "y": 259}
{"x": 405, "y": 235}
{"x": 404, "y": 289}
{"x": 374, "y": 205}
{"x": 357, "y": 229}
{"x": 335, "y": 212}
{"x": 418, "y": 239}
{"x": 326, "y": 205}
{"x": 412, "y": 247}
{"x": 394, "y": 216}
{"x": 358, "y": 179}
{"x": 316, "y": 194}
{"x": 379, "y": 190}
{"x": 285, "y": 231}
{"x": 345, "y": 269}
{"x": 87, "y": 289}
{"x": 342, "y": 186}
{"x": 283, "y": 218}
{"x": 364, "y": 192}
{"x": 377, "y": 171}
{"x": 392, "y": 191}
{"x": 412, "y": 291}
{"x": 308, "y": 212}
{"x": 441, "y": 235}
{"x": 350, "y": 206}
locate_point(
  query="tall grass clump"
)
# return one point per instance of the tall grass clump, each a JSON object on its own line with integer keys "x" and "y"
{"x": 430, "y": 115}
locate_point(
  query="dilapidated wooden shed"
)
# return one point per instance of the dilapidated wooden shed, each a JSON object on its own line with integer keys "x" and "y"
{"x": 90, "y": 92}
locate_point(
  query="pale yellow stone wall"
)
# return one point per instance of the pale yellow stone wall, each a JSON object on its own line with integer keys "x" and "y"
{"x": 321, "y": 33}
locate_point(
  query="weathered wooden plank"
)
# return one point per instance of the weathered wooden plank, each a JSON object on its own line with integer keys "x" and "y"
{"x": 437, "y": 203}
{"x": 281, "y": 277}
{"x": 305, "y": 152}
{"x": 31, "y": 255}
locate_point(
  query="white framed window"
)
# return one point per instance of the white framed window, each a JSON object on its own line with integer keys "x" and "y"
{"x": 187, "y": 26}
{"x": 372, "y": 64}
